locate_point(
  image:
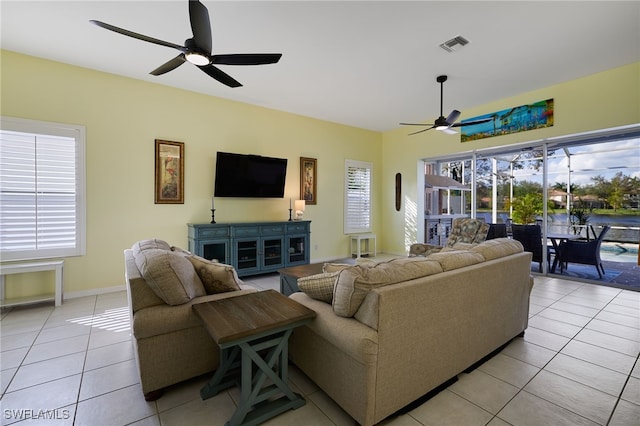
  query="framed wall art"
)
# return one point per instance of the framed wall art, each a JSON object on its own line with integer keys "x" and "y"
{"x": 308, "y": 180}
{"x": 169, "y": 182}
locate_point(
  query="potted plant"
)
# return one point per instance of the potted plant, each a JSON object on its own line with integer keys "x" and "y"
{"x": 527, "y": 209}
{"x": 579, "y": 215}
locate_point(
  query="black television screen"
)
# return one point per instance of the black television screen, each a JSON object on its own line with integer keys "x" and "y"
{"x": 249, "y": 176}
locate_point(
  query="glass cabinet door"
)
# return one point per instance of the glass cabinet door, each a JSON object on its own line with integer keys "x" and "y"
{"x": 247, "y": 255}
{"x": 217, "y": 251}
{"x": 297, "y": 250}
{"x": 272, "y": 252}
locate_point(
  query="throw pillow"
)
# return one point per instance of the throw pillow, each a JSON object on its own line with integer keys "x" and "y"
{"x": 170, "y": 275}
{"x": 319, "y": 286}
{"x": 149, "y": 244}
{"x": 216, "y": 277}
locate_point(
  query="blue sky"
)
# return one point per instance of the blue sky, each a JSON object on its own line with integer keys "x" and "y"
{"x": 605, "y": 159}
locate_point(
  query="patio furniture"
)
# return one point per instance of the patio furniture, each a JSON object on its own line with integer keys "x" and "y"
{"x": 558, "y": 239}
{"x": 583, "y": 252}
{"x": 463, "y": 230}
{"x": 497, "y": 230}
{"x": 530, "y": 236}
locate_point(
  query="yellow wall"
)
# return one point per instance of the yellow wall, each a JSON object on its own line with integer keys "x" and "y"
{"x": 123, "y": 117}
{"x": 600, "y": 101}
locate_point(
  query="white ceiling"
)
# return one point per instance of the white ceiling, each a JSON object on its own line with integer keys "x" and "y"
{"x": 368, "y": 64}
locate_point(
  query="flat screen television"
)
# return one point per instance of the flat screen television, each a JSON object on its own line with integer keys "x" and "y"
{"x": 249, "y": 176}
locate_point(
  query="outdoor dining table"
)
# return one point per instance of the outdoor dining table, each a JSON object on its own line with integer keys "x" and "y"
{"x": 556, "y": 240}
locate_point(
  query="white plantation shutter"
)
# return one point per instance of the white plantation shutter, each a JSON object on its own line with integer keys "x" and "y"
{"x": 357, "y": 202}
{"x": 41, "y": 190}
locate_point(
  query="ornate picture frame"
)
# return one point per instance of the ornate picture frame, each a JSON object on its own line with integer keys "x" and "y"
{"x": 308, "y": 180}
{"x": 169, "y": 172}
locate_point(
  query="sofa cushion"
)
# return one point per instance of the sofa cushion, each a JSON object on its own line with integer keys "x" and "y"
{"x": 456, "y": 259}
{"x": 467, "y": 230}
{"x": 335, "y": 267}
{"x": 355, "y": 282}
{"x": 498, "y": 247}
{"x": 460, "y": 246}
{"x": 216, "y": 277}
{"x": 319, "y": 286}
{"x": 170, "y": 275}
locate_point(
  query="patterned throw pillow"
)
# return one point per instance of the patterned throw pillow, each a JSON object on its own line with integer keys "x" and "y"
{"x": 319, "y": 286}
{"x": 216, "y": 277}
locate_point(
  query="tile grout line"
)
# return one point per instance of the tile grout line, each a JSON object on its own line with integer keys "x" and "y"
{"x": 626, "y": 382}
{"x": 570, "y": 340}
{"x": 554, "y": 356}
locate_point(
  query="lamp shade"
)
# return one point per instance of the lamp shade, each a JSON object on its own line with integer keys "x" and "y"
{"x": 299, "y": 205}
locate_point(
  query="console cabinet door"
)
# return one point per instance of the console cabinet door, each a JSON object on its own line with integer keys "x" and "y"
{"x": 297, "y": 249}
{"x": 272, "y": 253}
{"x": 216, "y": 250}
{"x": 246, "y": 255}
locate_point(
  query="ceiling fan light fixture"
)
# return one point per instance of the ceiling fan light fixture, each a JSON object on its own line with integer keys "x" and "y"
{"x": 441, "y": 127}
{"x": 197, "y": 58}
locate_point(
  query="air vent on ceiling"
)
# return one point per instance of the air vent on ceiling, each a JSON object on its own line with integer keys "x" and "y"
{"x": 454, "y": 44}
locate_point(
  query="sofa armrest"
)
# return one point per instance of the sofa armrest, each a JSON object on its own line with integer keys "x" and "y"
{"x": 350, "y": 335}
{"x": 162, "y": 319}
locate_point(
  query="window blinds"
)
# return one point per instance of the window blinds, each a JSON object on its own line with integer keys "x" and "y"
{"x": 357, "y": 217}
{"x": 41, "y": 197}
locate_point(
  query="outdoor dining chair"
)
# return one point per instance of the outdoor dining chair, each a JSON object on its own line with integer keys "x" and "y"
{"x": 583, "y": 252}
{"x": 530, "y": 236}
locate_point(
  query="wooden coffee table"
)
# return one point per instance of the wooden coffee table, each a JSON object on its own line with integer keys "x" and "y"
{"x": 253, "y": 329}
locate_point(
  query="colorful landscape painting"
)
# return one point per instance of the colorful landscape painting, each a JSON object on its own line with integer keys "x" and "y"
{"x": 519, "y": 119}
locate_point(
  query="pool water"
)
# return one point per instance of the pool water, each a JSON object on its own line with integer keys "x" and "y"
{"x": 619, "y": 252}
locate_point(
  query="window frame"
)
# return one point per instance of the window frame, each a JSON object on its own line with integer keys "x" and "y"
{"x": 349, "y": 227}
{"x": 78, "y": 133}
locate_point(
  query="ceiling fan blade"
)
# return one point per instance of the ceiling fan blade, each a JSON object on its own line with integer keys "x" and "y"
{"x": 220, "y": 75}
{"x": 453, "y": 116}
{"x": 246, "y": 59}
{"x": 471, "y": 123}
{"x": 200, "y": 25}
{"x": 138, "y": 36}
{"x": 420, "y": 131}
{"x": 416, "y": 124}
{"x": 169, "y": 65}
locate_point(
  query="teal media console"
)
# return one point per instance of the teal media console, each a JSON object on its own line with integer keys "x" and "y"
{"x": 252, "y": 248}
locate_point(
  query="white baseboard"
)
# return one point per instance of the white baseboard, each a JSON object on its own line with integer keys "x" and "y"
{"x": 94, "y": 292}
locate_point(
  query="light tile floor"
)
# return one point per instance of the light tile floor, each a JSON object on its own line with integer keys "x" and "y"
{"x": 576, "y": 365}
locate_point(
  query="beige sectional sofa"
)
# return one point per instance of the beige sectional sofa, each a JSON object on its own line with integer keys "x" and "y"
{"x": 170, "y": 341}
{"x": 396, "y": 330}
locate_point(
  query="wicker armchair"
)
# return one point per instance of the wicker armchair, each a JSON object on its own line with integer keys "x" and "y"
{"x": 583, "y": 252}
{"x": 497, "y": 230}
{"x": 530, "y": 236}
